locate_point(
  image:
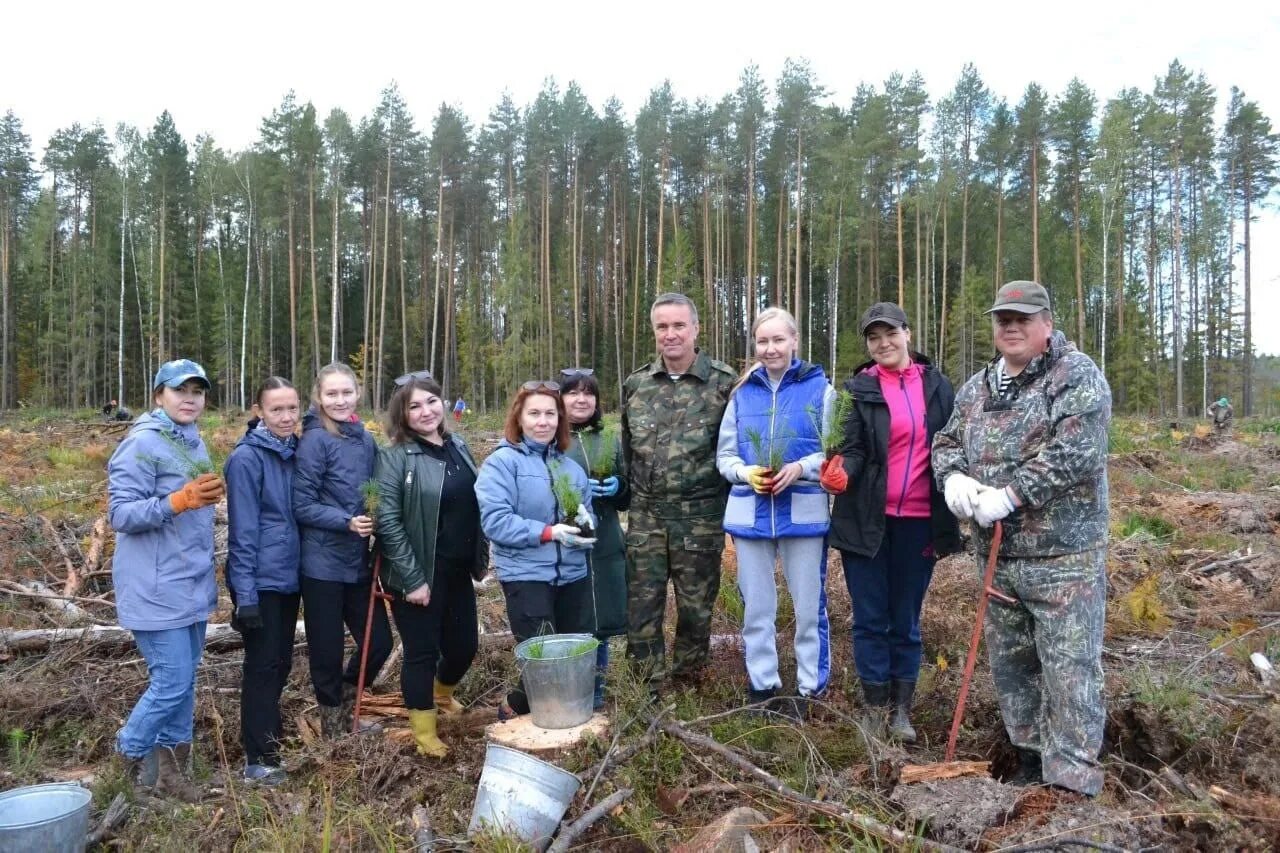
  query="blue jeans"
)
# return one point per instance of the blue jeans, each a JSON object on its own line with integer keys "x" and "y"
{"x": 165, "y": 715}
{"x": 887, "y": 592}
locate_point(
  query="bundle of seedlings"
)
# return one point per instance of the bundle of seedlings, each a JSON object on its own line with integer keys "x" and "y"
{"x": 598, "y": 447}
{"x": 569, "y": 499}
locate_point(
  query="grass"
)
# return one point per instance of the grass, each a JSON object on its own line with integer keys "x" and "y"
{"x": 537, "y": 651}
{"x": 1191, "y": 717}
{"x": 1145, "y": 525}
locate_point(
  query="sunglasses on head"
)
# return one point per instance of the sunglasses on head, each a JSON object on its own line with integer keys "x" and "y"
{"x": 417, "y": 375}
{"x": 572, "y": 372}
{"x": 542, "y": 385}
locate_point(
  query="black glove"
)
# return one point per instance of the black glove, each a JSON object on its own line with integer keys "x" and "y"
{"x": 247, "y": 618}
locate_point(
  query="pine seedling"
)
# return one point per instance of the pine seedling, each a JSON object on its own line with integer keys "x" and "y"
{"x": 598, "y": 449}
{"x": 369, "y": 488}
{"x": 831, "y": 433}
{"x": 756, "y": 439}
{"x": 188, "y": 464}
{"x": 566, "y": 493}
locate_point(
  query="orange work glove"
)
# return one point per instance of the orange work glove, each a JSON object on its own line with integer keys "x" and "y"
{"x": 759, "y": 478}
{"x": 205, "y": 490}
{"x": 834, "y": 479}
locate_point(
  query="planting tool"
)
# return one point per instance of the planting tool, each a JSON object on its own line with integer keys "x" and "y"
{"x": 376, "y": 594}
{"x": 988, "y": 592}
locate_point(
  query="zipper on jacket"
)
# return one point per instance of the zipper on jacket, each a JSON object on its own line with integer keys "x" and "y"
{"x": 555, "y": 507}
{"x": 906, "y": 474}
{"x": 773, "y": 414}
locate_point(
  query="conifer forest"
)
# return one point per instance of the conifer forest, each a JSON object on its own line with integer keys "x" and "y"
{"x": 492, "y": 250}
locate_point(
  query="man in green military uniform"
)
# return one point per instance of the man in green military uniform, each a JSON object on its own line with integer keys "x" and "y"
{"x": 671, "y": 411}
{"x": 1027, "y": 444}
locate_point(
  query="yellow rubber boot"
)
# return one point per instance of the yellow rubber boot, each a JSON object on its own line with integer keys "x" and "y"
{"x": 423, "y": 724}
{"x": 445, "y": 703}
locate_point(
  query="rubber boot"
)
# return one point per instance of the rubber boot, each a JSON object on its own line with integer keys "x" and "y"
{"x": 900, "y": 726}
{"x": 444, "y": 701}
{"x": 349, "y": 709}
{"x": 140, "y": 773}
{"x": 1030, "y": 771}
{"x": 423, "y": 724}
{"x": 171, "y": 780}
{"x": 333, "y": 722}
{"x": 875, "y": 697}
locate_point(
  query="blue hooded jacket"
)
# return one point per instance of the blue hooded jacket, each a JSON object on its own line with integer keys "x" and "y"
{"x": 513, "y": 489}
{"x": 163, "y": 565}
{"x": 328, "y": 472}
{"x": 262, "y": 547}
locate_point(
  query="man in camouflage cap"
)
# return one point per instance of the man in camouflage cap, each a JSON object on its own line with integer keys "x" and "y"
{"x": 1027, "y": 443}
{"x": 671, "y": 412}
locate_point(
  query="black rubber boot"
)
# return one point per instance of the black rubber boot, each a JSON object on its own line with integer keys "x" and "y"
{"x": 1029, "y": 769}
{"x": 900, "y": 726}
{"x": 876, "y": 698}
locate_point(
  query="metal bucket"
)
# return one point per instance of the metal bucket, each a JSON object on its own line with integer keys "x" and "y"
{"x": 559, "y": 673}
{"x": 521, "y": 795}
{"x": 51, "y": 818}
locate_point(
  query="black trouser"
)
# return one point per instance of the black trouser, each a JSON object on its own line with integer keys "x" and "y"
{"x": 535, "y": 608}
{"x": 440, "y": 640}
{"x": 326, "y": 607}
{"x": 268, "y": 659}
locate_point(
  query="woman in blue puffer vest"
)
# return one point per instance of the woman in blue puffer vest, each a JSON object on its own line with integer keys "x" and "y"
{"x": 161, "y": 499}
{"x": 770, "y": 449}
{"x": 262, "y": 570}
{"x": 540, "y": 559}
{"x": 335, "y": 458}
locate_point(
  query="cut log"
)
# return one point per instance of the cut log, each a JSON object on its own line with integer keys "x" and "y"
{"x": 97, "y": 545}
{"x": 913, "y": 773}
{"x": 219, "y": 635}
{"x": 72, "y": 584}
{"x": 523, "y": 735}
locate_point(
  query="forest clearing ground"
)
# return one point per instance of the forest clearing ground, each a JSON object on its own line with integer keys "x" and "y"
{"x": 1192, "y": 744}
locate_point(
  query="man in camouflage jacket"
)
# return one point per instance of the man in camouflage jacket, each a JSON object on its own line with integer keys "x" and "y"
{"x": 1027, "y": 444}
{"x": 671, "y": 412}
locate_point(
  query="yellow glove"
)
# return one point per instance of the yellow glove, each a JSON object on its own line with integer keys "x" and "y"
{"x": 759, "y": 478}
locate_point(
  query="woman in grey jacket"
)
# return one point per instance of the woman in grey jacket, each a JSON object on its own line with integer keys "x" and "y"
{"x": 540, "y": 560}
{"x": 161, "y": 497}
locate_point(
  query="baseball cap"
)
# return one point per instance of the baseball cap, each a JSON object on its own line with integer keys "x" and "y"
{"x": 1025, "y": 297}
{"x": 883, "y": 312}
{"x": 174, "y": 373}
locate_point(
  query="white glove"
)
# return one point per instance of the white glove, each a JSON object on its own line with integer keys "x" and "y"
{"x": 992, "y": 505}
{"x": 961, "y": 492}
{"x": 567, "y": 535}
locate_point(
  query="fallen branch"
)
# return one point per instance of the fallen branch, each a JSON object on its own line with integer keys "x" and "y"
{"x": 219, "y": 635}
{"x": 612, "y": 759}
{"x": 1228, "y": 644}
{"x": 913, "y": 773}
{"x": 420, "y": 822}
{"x": 114, "y": 816}
{"x": 64, "y": 605}
{"x": 384, "y": 674}
{"x": 1217, "y": 565}
{"x": 73, "y": 578}
{"x": 97, "y": 544}
{"x": 866, "y": 823}
{"x": 571, "y": 831}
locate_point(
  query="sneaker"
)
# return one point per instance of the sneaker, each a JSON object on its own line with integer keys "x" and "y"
{"x": 264, "y": 774}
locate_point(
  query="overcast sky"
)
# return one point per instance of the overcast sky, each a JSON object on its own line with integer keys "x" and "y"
{"x": 219, "y": 68}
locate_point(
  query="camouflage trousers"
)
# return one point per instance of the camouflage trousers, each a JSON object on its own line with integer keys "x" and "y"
{"x": 1046, "y": 661}
{"x": 687, "y": 552}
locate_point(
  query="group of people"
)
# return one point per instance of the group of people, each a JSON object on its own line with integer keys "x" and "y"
{"x": 702, "y": 451}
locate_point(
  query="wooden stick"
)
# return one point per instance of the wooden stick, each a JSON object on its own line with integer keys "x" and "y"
{"x": 62, "y": 604}
{"x": 913, "y": 773}
{"x": 596, "y": 771}
{"x": 111, "y": 819}
{"x": 73, "y": 578}
{"x": 570, "y": 832}
{"x": 97, "y": 544}
{"x": 420, "y": 822}
{"x": 868, "y": 824}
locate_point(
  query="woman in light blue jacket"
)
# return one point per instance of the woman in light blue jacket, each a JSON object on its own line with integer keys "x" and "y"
{"x": 161, "y": 499}
{"x": 540, "y": 559}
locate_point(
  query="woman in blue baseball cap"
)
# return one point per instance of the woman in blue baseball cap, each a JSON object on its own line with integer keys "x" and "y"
{"x": 161, "y": 494}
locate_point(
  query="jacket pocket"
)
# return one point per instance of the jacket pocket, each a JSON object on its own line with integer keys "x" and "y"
{"x": 637, "y": 539}
{"x": 809, "y": 507}
{"x": 704, "y": 544}
{"x": 740, "y": 511}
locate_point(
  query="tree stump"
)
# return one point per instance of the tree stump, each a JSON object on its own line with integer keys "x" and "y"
{"x": 523, "y": 735}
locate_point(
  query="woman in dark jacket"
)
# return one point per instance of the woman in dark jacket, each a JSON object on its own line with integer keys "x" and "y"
{"x": 600, "y": 454}
{"x": 432, "y": 547}
{"x": 889, "y": 521}
{"x": 262, "y": 570}
{"x": 335, "y": 458}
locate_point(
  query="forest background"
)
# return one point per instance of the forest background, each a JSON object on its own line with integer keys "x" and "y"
{"x": 496, "y": 248}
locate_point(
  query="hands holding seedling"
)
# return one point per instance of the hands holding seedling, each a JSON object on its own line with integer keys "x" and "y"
{"x": 567, "y": 534}
{"x": 205, "y": 490}
{"x": 606, "y": 488}
{"x": 785, "y": 476}
{"x": 758, "y": 478}
{"x": 832, "y": 476}
{"x": 361, "y": 525}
